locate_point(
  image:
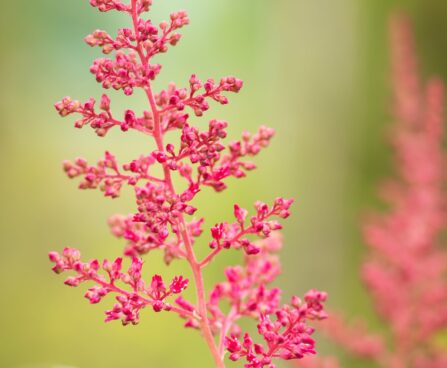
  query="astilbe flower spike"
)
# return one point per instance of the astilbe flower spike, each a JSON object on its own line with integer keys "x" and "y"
{"x": 406, "y": 268}
{"x": 163, "y": 217}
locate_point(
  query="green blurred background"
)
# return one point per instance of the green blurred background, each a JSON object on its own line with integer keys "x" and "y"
{"x": 315, "y": 70}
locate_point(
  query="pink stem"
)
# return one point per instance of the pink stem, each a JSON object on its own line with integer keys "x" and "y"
{"x": 191, "y": 257}
{"x": 210, "y": 257}
{"x": 229, "y": 320}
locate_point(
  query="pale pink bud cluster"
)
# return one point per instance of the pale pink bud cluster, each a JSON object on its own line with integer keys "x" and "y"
{"x": 163, "y": 216}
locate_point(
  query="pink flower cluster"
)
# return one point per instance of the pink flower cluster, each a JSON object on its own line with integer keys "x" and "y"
{"x": 246, "y": 291}
{"x": 233, "y": 235}
{"x": 406, "y": 268}
{"x": 287, "y": 336}
{"x": 164, "y": 220}
{"x": 129, "y": 302}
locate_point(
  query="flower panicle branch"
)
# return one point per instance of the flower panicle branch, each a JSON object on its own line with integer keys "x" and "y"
{"x": 130, "y": 301}
{"x": 283, "y": 328}
{"x": 164, "y": 216}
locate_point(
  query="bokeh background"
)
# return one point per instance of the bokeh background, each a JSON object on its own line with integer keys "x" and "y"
{"x": 315, "y": 70}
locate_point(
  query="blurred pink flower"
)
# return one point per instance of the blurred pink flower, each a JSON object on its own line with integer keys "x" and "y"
{"x": 406, "y": 268}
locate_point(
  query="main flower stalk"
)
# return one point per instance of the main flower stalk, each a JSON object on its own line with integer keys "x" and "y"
{"x": 191, "y": 257}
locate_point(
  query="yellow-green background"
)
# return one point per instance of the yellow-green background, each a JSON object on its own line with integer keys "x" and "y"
{"x": 315, "y": 70}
